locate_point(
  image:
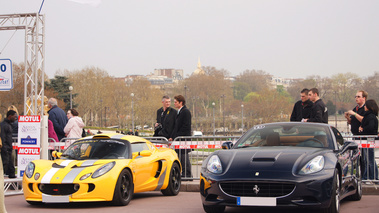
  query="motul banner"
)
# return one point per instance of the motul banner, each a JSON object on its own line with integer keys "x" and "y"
{"x": 29, "y": 140}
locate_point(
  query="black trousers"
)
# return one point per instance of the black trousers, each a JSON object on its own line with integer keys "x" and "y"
{"x": 6, "y": 157}
{"x": 185, "y": 161}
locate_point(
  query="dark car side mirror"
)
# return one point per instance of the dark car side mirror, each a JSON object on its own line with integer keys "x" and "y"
{"x": 227, "y": 145}
{"x": 349, "y": 145}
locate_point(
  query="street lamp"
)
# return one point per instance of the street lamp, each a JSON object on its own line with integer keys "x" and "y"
{"x": 132, "y": 94}
{"x": 242, "y": 116}
{"x": 70, "y": 88}
{"x": 214, "y": 130}
{"x": 223, "y": 114}
{"x": 185, "y": 91}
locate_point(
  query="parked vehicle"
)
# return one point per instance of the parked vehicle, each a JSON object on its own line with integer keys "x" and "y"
{"x": 290, "y": 164}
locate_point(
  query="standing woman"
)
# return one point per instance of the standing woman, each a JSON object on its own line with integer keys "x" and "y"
{"x": 369, "y": 126}
{"x": 74, "y": 126}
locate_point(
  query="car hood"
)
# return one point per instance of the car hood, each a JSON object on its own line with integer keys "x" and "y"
{"x": 66, "y": 171}
{"x": 266, "y": 162}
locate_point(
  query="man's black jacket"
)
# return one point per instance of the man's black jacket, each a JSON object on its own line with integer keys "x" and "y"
{"x": 6, "y": 134}
{"x": 319, "y": 112}
{"x": 301, "y": 110}
{"x": 182, "y": 123}
{"x": 167, "y": 120}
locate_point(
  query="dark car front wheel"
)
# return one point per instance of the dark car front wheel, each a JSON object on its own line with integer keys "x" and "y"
{"x": 213, "y": 209}
{"x": 335, "y": 199}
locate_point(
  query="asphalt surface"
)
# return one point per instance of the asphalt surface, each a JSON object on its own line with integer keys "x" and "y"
{"x": 185, "y": 202}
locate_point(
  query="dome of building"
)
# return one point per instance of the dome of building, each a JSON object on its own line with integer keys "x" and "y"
{"x": 199, "y": 70}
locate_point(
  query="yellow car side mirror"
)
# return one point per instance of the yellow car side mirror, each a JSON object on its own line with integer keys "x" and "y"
{"x": 145, "y": 153}
{"x": 56, "y": 154}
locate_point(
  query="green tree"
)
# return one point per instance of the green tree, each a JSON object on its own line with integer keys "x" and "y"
{"x": 60, "y": 85}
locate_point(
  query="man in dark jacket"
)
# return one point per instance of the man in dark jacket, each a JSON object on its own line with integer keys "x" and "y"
{"x": 6, "y": 138}
{"x": 165, "y": 119}
{"x": 319, "y": 112}
{"x": 58, "y": 117}
{"x": 302, "y": 108}
{"x": 182, "y": 128}
{"x": 354, "y": 117}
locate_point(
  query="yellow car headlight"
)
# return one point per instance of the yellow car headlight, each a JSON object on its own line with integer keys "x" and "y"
{"x": 103, "y": 169}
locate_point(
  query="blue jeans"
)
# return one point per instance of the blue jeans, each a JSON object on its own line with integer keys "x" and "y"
{"x": 369, "y": 167}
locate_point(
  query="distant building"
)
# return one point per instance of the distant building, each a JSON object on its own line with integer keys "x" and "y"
{"x": 174, "y": 74}
{"x": 285, "y": 82}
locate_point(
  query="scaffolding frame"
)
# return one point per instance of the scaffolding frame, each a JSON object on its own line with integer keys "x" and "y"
{"x": 34, "y": 57}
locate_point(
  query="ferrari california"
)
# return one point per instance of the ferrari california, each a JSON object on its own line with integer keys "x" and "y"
{"x": 299, "y": 165}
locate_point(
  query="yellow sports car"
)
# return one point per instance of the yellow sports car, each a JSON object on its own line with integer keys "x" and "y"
{"x": 103, "y": 167}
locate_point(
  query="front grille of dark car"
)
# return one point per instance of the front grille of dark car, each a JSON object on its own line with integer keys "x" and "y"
{"x": 58, "y": 189}
{"x": 257, "y": 189}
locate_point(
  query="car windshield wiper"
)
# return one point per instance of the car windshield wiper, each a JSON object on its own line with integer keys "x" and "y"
{"x": 242, "y": 147}
{"x": 70, "y": 156}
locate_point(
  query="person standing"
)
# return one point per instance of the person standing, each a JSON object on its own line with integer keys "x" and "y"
{"x": 165, "y": 119}
{"x": 15, "y": 123}
{"x": 74, "y": 126}
{"x": 302, "y": 108}
{"x": 6, "y": 138}
{"x": 182, "y": 128}
{"x": 2, "y": 204}
{"x": 319, "y": 112}
{"x": 58, "y": 117}
{"x": 369, "y": 126}
{"x": 354, "y": 117}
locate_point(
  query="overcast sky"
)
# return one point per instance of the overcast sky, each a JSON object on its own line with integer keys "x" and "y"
{"x": 285, "y": 38}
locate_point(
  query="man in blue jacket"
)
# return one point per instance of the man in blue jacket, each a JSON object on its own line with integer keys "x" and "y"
{"x": 58, "y": 117}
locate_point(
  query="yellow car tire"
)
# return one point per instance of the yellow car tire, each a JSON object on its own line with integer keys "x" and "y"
{"x": 173, "y": 187}
{"x": 124, "y": 189}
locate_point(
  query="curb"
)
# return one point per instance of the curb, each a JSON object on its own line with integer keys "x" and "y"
{"x": 194, "y": 186}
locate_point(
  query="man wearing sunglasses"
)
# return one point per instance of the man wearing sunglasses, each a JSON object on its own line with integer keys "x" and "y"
{"x": 354, "y": 117}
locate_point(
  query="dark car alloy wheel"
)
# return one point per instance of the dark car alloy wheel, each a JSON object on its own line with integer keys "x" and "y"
{"x": 335, "y": 198}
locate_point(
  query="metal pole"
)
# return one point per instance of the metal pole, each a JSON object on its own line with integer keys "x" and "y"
{"x": 70, "y": 99}
{"x": 242, "y": 117}
{"x": 335, "y": 101}
{"x": 70, "y": 88}
{"x": 214, "y": 130}
{"x": 223, "y": 113}
{"x": 132, "y": 111}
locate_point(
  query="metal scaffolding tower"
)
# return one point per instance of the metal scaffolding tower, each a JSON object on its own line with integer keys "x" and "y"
{"x": 34, "y": 26}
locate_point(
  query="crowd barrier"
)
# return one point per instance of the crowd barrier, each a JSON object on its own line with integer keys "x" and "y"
{"x": 199, "y": 148}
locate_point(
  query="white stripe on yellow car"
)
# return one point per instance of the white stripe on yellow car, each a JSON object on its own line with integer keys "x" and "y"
{"x": 47, "y": 177}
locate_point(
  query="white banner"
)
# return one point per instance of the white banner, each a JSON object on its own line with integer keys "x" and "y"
{"x": 29, "y": 140}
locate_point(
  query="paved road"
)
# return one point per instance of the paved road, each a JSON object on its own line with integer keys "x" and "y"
{"x": 185, "y": 202}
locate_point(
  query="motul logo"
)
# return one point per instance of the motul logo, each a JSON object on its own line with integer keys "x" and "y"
{"x": 28, "y": 150}
{"x": 29, "y": 118}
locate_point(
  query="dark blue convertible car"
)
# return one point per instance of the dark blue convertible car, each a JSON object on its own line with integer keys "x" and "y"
{"x": 306, "y": 165}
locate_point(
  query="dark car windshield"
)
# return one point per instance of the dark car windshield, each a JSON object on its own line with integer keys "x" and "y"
{"x": 287, "y": 134}
{"x": 96, "y": 149}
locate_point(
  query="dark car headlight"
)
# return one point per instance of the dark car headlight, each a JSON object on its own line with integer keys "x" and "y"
{"x": 214, "y": 165}
{"x": 103, "y": 169}
{"x": 29, "y": 169}
{"x": 314, "y": 165}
